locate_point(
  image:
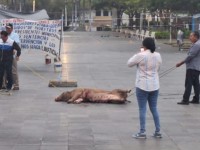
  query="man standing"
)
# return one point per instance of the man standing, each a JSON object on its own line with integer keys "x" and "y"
{"x": 192, "y": 62}
{"x": 7, "y": 46}
{"x": 180, "y": 39}
{"x": 14, "y": 36}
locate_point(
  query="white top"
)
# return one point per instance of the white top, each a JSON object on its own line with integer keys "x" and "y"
{"x": 180, "y": 35}
{"x": 148, "y": 64}
{"x": 14, "y": 36}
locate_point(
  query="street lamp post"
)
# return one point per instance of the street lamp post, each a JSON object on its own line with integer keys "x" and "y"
{"x": 72, "y": 13}
{"x": 65, "y": 12}
{"x": 20, "y": 6}
{"x": 90, "y": 15}
{"x": 33, "y": 5}
{"x": 170, "y": 35}
{"x": 75, "y": 14}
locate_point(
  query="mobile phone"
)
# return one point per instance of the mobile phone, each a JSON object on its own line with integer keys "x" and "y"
{"x": 142, "y": 49}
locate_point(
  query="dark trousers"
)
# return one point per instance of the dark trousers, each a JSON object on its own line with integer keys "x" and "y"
{"x": 192, "y": 79}
{"x": 6, "y": 67}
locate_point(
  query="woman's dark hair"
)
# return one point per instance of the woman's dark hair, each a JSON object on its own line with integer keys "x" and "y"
{"x": 149, "y": 43}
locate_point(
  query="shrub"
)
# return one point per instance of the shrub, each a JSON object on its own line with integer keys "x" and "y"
{"x": 162, "y": 35}
{"x": 186, "y": 33}
{"x": 107, "y": 28}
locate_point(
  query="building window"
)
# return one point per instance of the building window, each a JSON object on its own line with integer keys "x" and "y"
{"x": 105, "y": 13}
{"x": 99, "y": 29}
{"x": 98, "y": 12}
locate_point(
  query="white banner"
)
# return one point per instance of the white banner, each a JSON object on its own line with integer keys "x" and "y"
{"x": 37, "y": 35}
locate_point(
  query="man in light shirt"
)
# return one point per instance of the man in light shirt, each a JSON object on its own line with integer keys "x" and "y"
{"x": 180, "y": 39}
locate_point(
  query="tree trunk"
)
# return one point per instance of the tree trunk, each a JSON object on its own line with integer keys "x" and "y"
{"x": 118, "y": 18}
{"x": 137, "y": 21}
{"x": 130, "y": 21}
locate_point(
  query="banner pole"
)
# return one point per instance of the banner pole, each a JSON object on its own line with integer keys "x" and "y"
{"x": 62, "y": 80}
{"x": 61, "y": 35}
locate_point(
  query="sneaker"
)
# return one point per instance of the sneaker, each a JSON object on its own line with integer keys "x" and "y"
{"x": 139, "y": 136}
{"x": 183, "y": 102}
{"x": 194, "y": 102}
{"x": 157, "y": 135}
{"x": 7, "y": 90}
{"x": 15, "y": 88}
{"x": 2, "y": 90}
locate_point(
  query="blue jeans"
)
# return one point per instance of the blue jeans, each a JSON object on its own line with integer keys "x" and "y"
{"x": 142, "y": 98}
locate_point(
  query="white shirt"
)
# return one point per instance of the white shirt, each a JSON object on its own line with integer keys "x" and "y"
{"x": 148, "y": 64}
{"x": 14, "y": 36}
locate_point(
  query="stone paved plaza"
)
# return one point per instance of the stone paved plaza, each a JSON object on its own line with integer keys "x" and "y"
{"x": 31, "y": 120}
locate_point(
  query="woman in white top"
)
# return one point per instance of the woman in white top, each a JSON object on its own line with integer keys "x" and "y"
{"x": 147, "y": 83}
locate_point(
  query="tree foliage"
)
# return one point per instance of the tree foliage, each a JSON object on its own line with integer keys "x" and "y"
{"x": 186, "y": 6}
{"x": 55, "y": 7}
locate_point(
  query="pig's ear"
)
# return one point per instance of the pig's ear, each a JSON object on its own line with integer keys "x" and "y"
{"x": 129, "y": 91}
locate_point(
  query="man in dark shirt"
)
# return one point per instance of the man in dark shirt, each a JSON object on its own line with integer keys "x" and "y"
{"x": 7, "y": 46}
